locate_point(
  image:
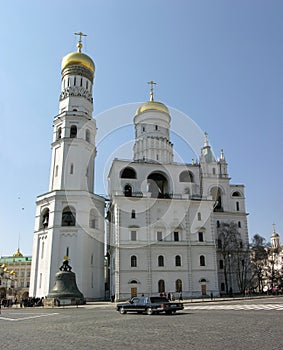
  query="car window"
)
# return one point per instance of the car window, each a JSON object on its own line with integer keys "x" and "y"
{"x": 158, "y": 300}
{"x": 135, "y": 300}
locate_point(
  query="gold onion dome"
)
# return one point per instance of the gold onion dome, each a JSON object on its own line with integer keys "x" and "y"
{"x": 78, "y": 59}
{"x": 152, "y": 105}
{"x": 18, "y": 254}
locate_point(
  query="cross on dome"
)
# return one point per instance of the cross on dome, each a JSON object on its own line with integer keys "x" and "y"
{"x": 151, "y": 83}
{"x": 80, "y": 45}
{"x": 273, "y": 227}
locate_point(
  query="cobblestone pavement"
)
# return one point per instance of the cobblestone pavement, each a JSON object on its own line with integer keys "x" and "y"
{"x": 240, "y": 324}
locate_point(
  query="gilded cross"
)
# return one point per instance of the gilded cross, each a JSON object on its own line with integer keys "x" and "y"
{"x": 80, "y": 45}
{"x": 151, "y": 83}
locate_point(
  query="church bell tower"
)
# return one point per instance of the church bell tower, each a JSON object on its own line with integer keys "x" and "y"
{"x": 70, "y": 217}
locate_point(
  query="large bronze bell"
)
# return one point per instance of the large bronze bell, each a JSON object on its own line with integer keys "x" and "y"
{"x": 65, "y": 290}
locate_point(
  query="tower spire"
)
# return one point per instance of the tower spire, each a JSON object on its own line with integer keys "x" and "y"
{"x": 222, "y": 157}
{"x": 151, "y": 83}
{"x": 206, "y": 139}
{"x": 79, "y": 44}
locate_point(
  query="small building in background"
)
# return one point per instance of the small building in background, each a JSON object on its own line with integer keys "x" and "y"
{"x": 15, "y": 276}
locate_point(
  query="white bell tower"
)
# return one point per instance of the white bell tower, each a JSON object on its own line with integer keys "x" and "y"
{"x": 152, "y": 132}
{"x": 70, "y": 217}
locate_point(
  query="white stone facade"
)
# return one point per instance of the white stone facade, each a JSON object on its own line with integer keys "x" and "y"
{"x": 163, "y": 216}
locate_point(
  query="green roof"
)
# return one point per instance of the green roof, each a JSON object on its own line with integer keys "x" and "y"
{"x": 13, "y": 259}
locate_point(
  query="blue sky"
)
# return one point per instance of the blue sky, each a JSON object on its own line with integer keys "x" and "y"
{"x": 218, "y": 62}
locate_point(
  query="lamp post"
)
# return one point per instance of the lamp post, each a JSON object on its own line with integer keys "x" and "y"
{"x": 272, "y": 277}
{"x": 13, "y": 280}
{"x": 230, "y": 277}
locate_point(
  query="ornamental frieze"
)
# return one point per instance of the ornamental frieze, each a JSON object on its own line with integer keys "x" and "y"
{"x": 76, "y": 91}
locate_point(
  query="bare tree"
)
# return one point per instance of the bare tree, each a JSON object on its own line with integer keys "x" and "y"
{"x": 259, "y": 261}
{"x": 242, "y": 267}
{"x": 229, "y": 243}
{"x": 236, "y": 257}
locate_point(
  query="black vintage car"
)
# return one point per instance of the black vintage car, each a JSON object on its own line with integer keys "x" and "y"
{"x": 150, "y": 305}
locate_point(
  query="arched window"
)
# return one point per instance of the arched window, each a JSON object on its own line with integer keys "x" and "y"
{"x": 179, "y": 286}
{"x": 237, "y": 206}
{"x": 72, "y": 169}
{"x": 128, "y": 191}
{"x": 59, "y": 133}
{"x": 221, "y": 264}
{"x": 161, "y": 286}
{"x": 87, "y": 135}
{"x": 202, "y": 260}
{"x": 178, "y": 261}
{"x": 161, "y": 260}
{"x": 158, "y": 185}
{"x": 93, "y": 219}
{"x": 133, "y": 282}
{"x": 44, "y": 218}
{"x": 134, "y": 261}
{"x": 69, "y": 216}
{"x": 186, "y": 176}
{"x": 73, "y": 132}
{"x": 217, "y": 197}
{"x": 128, "y": 173}
{"x": 236, "y": 194}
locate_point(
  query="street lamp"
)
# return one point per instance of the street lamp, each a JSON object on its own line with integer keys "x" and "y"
{"x": 230, "y": 277}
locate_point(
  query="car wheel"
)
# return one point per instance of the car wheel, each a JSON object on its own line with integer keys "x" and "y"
{"x": 122, "y": 311}
{"x": 149, "y": 311}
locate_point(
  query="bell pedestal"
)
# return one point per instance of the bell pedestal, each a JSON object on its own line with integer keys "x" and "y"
{"x": 65, "y": 290}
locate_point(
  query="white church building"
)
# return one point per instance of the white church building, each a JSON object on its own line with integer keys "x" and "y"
{"x": 162, "y": 216}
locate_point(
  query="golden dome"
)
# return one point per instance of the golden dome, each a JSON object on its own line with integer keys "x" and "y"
{"x": 18, "y": 254}
{"x": 152, "y": 106}
{"x": 78, "y": 59}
